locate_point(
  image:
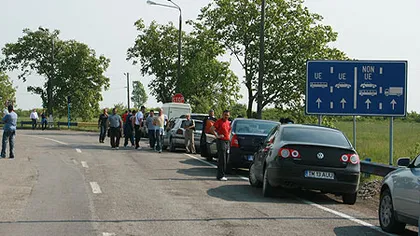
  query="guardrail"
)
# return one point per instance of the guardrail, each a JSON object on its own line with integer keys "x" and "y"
{"x": 62, "y": 123}
{"x": 376, "y": 168}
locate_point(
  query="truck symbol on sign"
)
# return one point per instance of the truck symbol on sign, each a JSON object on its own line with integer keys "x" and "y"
{"x": 368, "y": 92}
{"x": 318, "y": 85}
{"x": 393, "y": 91}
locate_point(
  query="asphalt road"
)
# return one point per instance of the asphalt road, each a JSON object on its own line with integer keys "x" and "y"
{"x": 66, "y": 183}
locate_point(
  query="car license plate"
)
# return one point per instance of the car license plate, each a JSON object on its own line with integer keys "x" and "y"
{"x": 250, "y": 157}
{"x": 319, "y": 174}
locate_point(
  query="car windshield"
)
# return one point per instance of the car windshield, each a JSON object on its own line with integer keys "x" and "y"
{"x": 198, "y": 124}
{"x": 314, "y": 135}
{"x": 253, "y": 126}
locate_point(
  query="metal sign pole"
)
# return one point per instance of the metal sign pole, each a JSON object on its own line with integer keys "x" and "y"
{"x": 391, "y": 140}
{"x": 354, "y": 132}
{"x": 68, "y": 115}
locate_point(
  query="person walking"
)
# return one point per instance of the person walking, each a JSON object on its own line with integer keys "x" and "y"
{"x": 159, "y": 122}
{"x": 129, "y": 129}
{"x": 221, "y": 129}
{"x": 115, "y": 125}
{"x": 44, "y": 121}
{"x": 9, "y": 133}
{"x": 151, "y": 129}
{"x": 34, "y": 118}
{"x": 102, "y": 125}
{"x": 189, "y": 126}
{"x": 138, "y": 125}
{"x": 208, "y": 122}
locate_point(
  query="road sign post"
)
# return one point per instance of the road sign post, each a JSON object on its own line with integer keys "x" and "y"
{"x": 357, "y": 88}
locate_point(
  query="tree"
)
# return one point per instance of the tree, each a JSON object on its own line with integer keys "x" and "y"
{"x": 205, "y": 81}
{"x": 292, "y": 36}
{"x": 139, "y": 94}
{"x": 70, "y": 68}
{"x": 7, "y": 91}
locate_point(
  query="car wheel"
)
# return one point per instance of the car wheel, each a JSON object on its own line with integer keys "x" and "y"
{"x": 267, "y": 188}
{"x": 253, "y": 177}
{"x": 387, "y": 219}
{"x": 171, "y": 145}
{"x": 349, "y": 198}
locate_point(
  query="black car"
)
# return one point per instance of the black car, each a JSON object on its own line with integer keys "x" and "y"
{"x": 246, "y": 137}
{"x": 307, "y": 157}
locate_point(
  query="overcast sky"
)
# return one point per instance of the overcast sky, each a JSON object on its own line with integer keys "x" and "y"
{"x": 367, "y": 30}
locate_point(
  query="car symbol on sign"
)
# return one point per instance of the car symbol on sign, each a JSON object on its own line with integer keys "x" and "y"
{"x": 368, "y": 85}
{"x": 342, "y": 85}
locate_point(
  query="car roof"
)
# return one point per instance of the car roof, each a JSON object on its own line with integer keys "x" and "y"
{"x": 252, "y": 119}
{"x": 312, "y": 126}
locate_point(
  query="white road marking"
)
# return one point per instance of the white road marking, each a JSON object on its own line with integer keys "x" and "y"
{"x": 95, "y": 187}
{"x": 78, "y": 150}
{"x": 337, "y": 213}
{"x": 108, "y": 234}
{"x": 56, "y": 141}
{"x": 84, "y": 164}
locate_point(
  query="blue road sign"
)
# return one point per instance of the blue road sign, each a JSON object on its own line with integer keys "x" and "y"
{"x": 365, "y": 88}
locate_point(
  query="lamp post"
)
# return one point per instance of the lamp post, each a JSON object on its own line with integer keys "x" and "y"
{"x": 128, "y": 90}
{"x": 176, "y": 6}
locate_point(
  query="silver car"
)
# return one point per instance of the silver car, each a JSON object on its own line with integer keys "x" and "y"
{"x": 174, "y": 137}
{"x": 400, "y": 197}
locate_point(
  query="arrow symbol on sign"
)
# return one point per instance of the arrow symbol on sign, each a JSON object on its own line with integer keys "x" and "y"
{"x": 368, "y": 102}
{"x": 393, "y": 102}
{"x": 319, "y": 102}
{"x": 343, "y": 101}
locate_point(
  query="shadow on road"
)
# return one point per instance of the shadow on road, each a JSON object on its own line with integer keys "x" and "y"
{"x": 350, "y": 230}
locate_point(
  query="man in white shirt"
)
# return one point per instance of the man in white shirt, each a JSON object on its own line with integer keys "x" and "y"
{"x": 138, "y": 124}
{"x": 34, "y": 118}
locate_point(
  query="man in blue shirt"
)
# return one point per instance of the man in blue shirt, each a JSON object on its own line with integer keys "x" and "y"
{"x": 9, "y": 132}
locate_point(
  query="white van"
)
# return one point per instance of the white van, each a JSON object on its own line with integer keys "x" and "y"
{"x": 173, "y": 110}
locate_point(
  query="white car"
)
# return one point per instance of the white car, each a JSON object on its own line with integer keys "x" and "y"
{"x": 368, "y": 85}
{"x": 400, "y": 197}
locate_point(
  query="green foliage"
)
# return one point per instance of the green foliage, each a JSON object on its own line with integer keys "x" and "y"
{"x": 7, "y": 91}
{"x": 292, "y": 36}
{"x": 237, "y": 110}
{"x": 139, "y": 96}
{"x": 205, "y": 81}
{"x": 69, "y": 68}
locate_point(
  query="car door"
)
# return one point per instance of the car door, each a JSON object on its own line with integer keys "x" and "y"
{"x": 263, "y": 151}
{"x": 407, "y": 190}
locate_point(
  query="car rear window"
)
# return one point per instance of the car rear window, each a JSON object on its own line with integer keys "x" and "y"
{"x": 253, "y": 126}
{"x": 311, "y": 135}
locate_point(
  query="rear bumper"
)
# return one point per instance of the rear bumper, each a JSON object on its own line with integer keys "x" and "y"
{"x": 293, "y": 176}
{"x": 239, "y": 158}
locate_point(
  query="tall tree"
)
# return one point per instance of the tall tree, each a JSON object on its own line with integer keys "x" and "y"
{"x": 70, "y": 68}
{"x": 292, "y": 36}
{"x": 7, "y": 91}
{"x": 139, "y": 94}
{"x": 205, "y": 81}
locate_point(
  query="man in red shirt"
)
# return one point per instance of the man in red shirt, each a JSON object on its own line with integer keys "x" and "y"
{"x": 221, "y": 129}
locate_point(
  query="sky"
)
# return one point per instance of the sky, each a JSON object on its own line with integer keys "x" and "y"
{"x": 367, "y": 30}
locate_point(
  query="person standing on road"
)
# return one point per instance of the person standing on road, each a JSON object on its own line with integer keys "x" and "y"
{"x": 138, "y": 125}
{"x": 151, "y": 129}
{"x": 9, "y": 132}
{"x": 34, "y": 118}
{"x": 129, "y": 129}
{"x": 102, "y": 125}
{"x": 115, "y": 124}
{"x": 44, "y": 121}
{"x": 221, "y": 129}
{"x": 159, "y": 122}
{"x": 208, "y": 122}
{"x": 189, "y": 126}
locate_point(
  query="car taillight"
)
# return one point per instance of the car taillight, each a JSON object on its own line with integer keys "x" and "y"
{"x": 234, "y": 142}
{"x": 179, "y": 131}
{"x": 288, "y": 152}
{"x": 350, "y": 158}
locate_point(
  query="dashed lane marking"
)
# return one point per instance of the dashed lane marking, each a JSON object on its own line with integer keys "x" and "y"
{"x": 337, "y": 213}
{"x": 84, "y": 164}
{"x": 78, "y": 150}
{"x": 95, "y": 187}
{"x": 108, "y": 234}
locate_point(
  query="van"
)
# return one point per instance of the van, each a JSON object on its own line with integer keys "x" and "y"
{"x": 173, "y": 110}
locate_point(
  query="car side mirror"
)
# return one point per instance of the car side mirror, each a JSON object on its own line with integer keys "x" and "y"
{"x": 403, "y": 161}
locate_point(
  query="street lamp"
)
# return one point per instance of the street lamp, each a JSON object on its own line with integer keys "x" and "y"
{"x": 179, "y": 30}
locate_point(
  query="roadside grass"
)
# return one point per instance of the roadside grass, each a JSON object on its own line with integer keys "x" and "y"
{"x": 372, "y": 139}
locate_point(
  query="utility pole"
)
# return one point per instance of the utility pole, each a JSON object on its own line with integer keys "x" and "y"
{"x": 261, "y": 64}
{"x": 128, "y": 89}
